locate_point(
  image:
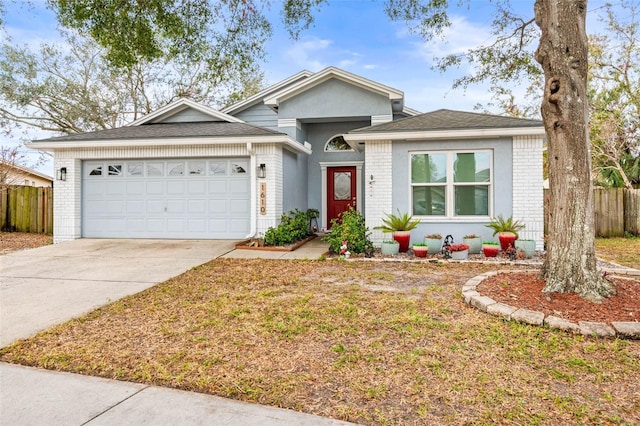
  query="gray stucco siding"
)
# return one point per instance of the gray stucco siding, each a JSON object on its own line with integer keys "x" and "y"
{"x": 294, "y": 181}
{"x": 188, "y": 115}
{"x": 502, "y": 169}
{"x": 260, "y": 115}
{"x": 318, "y": 135}
{"x": 335, "y": 98}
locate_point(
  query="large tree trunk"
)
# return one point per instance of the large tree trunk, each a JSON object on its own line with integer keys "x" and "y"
{"x": 570, "y": 264}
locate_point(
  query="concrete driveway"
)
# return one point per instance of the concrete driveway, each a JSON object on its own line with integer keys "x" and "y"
{"x": 48, "y": 285}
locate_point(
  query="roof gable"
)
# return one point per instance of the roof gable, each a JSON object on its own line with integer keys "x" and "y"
{"x": 259, "y": 97}
{"x": 394, "y": 95}
{"x": 165, "y": 113}
{"x": 21, "y": 170}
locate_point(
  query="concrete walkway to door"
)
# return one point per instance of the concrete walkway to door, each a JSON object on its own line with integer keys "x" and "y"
{"x": 48, "y": 285}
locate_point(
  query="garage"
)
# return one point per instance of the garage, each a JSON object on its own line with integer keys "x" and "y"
{"x": 194, "y": 198}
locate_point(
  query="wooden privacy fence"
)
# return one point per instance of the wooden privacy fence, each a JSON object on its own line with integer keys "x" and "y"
{"x": 616, "y": 211}
{"x": 26, "y": 209}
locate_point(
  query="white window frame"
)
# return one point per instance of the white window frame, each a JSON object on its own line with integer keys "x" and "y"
{"x": 450, "y": 186}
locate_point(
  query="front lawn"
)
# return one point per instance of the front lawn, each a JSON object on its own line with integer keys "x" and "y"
{"x": 369, "y": 342}
{"x": 624, "y": 251}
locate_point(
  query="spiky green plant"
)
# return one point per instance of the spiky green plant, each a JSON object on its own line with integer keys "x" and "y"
{"x": 401, "y": 222}
{"x": 500, "y": 224}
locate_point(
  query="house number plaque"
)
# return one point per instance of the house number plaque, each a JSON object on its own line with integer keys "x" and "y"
{"x": 263, "y": 198}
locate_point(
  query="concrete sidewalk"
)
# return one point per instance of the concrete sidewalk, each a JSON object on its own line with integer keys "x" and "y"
{"x": 49, "y": 285}
{"x": 39, "y": 397}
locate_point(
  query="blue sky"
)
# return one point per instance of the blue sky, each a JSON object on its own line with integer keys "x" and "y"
{"x": 354, "y": 35}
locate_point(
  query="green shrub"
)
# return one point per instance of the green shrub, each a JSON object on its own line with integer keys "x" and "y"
{"x": 350, "y": 228}
{"x": 293, "y": 227}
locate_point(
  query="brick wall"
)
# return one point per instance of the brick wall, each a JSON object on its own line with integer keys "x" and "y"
{"x": 528, "y": 199}
{"x": 378, "y": 163}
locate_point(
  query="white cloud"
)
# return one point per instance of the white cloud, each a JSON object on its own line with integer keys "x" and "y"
{"x": 306, "y": 53}
{"x": 461, "y": 36}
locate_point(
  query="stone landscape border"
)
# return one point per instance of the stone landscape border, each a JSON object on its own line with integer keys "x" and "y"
{"x": 471, "y": 296}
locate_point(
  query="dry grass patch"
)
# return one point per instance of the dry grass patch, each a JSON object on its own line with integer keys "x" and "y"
{"x": 15, "y": 241}
{"x": 623, "y": 251}
{"x": 368, "y": 342}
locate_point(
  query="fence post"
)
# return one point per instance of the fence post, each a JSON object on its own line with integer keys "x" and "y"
{"x": 632, "y": 211}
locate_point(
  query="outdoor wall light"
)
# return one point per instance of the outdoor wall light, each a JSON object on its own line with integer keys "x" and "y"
{"x": 62, "y": 173}
{"x": 262, "y": 171}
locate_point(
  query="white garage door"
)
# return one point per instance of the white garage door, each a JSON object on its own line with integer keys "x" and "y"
{"x": 194, "y": 198}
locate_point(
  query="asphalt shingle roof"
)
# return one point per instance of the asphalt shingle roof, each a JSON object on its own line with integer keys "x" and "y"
{"x": 170, "y": 130}
{"x": 446, "y": 119}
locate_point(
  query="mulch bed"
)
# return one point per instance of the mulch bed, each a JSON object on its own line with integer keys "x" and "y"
{"x": 524, "y": 290}
{"x": 15, "y": 241}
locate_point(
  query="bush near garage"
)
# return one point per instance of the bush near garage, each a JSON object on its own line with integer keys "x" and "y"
{"x": 293, "y": 227}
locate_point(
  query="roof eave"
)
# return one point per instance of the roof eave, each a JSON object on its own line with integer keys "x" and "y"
{"x": 290, "y": 143}
{"x": 445, "y": 134}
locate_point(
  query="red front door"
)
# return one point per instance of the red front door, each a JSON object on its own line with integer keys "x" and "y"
{"x": 341, "y": 191}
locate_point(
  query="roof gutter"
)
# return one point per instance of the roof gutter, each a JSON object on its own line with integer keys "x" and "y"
{"x": 444, "y": 134}
{"x": 52, "y": 145}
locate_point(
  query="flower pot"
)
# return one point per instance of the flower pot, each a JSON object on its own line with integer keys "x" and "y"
{"x": 403, "y": 238}
{"x": 434, "y": 244}
{"x": 420, "y": 251}
{"x": 459, "y": 255}
{"x": 490, "y": 250}
{"x": 475, "y": 244}
{"x": 527, "y": 246}
{"x": 389, "y": 248}
{"x": 506, "y": 240}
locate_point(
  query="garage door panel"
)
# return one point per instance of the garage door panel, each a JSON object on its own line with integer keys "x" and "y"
{"x": 135, "y": 188}
{"x": 95, "y": 208}
{"x": 175, "y": 224}
{"x": 218, "y": 207}
{"x": 155, "y": 206}
{"x": 196, "y": 206}
{"x": 175, "y": 206}
{"x": 94, "y": 189}
{"x": 116, "y": 224}
{"x": 239, "y": 187}
{"x": 155, "y": 187}
{"x": 115, "y": 206}
{"x": 193, "y": 198}
{"x": 238, "y": 206}
{"x": 155, "y": 225}
{"x": 197, "y": 225}
{"x": 218, "y": 186}
{"x": 115, "y": 188}
{"x": 196, "y": 187}
{"x": 175, "y": 187}
{"x": 136, "y": 225}
{"x": 136, "y": 207}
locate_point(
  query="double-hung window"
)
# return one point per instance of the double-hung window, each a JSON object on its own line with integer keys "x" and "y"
{"x": 451, "y": 184}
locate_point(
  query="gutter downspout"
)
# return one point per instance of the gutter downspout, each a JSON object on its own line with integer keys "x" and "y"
{"x": 252, "y": 167}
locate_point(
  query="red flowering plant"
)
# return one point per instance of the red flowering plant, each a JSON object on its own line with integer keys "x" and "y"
{"x": 459, "y": 247}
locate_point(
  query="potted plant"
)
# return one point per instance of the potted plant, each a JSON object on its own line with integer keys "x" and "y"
{"x": 490, "y": 248}
{"x": 420, "y": 249}
{"x": 401, "y": 226}
{"x": 474, "y": 242}
{"x": 390, "y": 248}
{"x": 459, "y": 251}
{"x": 526, "y": 246}
{"x": 434, "y": 243}
{"x": 506, "y": 229}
